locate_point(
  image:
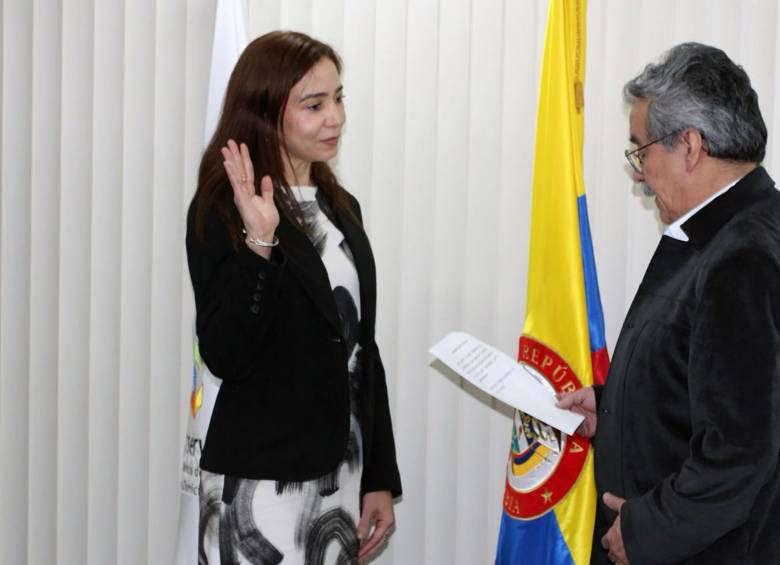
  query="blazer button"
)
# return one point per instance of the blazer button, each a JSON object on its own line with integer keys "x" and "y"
{"x": 255, "y": 308}
{"x": 256, "y": 297}
{"x": 605, "y": 411}
{"x": 259, "y": 286}
{"x": 261, "y": 276}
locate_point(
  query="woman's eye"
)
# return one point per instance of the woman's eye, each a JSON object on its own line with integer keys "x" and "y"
{"x": 340, "y": 98}
{"x": 314, "y": 107}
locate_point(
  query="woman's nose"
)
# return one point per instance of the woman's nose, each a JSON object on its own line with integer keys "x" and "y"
{"x": 335, "y": 116}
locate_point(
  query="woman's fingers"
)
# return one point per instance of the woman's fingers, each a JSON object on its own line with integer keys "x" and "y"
{"x": 233, "y": 147}
{"x": 267, "y": 189}
{"x": 242, "y": 172}
{"x": 249, "y": 171}
{"x": 258, "y": 211}
{"x": 239, "y": 194}
{"x": 229, "y": 169}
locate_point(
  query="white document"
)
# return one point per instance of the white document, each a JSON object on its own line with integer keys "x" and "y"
{"x": 503, "y": 378}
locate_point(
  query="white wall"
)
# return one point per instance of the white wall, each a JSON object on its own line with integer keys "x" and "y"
{"x": 101, "y": 129}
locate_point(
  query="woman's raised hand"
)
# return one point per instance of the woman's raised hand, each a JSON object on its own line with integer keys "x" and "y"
{"x": 258, "y": 211}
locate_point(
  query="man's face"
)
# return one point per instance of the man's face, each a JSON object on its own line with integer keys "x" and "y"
{"x": 662, "y": 168}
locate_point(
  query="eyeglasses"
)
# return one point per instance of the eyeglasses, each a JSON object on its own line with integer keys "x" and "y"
{"x": 636, "y": 156}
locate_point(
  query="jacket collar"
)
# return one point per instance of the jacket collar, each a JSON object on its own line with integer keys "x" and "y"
{"x": 708, "y": 221}
{"x": 360, "y": 248}
{"x": 306, "y": 263}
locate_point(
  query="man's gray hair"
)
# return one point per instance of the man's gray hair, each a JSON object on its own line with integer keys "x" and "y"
{"x": 698, "y": 86}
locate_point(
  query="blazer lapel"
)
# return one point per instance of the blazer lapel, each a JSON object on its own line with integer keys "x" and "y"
{"x": 307, "y": 265}
{"x": 364, "y": 265}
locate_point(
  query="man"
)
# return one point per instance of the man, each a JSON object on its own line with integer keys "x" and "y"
{"x": 687, "y": 428}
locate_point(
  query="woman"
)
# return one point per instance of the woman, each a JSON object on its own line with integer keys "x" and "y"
{"x": 299, "y": 460}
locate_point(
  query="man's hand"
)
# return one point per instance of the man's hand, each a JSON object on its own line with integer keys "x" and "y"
{"x": 613, "y": 540}
{"x": 377, "y": 508}
{"x": 581, "y": 401}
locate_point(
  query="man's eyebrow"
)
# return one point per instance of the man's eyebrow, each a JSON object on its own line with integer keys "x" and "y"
{"x": 319, "y": 94}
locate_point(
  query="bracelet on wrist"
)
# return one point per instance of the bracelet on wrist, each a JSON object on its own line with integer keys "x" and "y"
{"x": 259, "y": 242}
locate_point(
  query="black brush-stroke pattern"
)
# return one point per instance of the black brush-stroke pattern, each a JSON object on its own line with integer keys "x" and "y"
{"x": 317, "y": 233}
{"x": 309, "y": 511}
{"x": 347, "y": 310}
{"x": 348, "y": 314}
{"x": 245, "y": 536}
{"x": 210, "y": 504}
{"x": 240, "y": 540}
{"x": 334, "y": 526}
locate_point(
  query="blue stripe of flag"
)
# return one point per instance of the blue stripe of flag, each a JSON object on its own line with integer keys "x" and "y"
{"x": 538, "y": 541}
{"x": 592, "y": 296}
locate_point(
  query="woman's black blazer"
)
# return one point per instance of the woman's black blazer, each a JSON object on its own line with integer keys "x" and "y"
{"x": 270, "y": 330}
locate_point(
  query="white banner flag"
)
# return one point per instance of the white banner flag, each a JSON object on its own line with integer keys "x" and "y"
{"x": 229, "y": 42}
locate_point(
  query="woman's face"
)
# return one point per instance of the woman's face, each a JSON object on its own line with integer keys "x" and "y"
{"x": 313, "y": 120}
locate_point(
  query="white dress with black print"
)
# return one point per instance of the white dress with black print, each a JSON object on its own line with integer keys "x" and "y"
{"x": 244, "y": 521}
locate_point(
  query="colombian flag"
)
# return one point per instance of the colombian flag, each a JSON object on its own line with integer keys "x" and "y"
{"x": 550, "y": 496}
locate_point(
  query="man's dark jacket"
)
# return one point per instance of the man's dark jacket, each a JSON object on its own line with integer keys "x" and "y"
{"x": 689, "y": 420}
{"x": 270, "y": 329}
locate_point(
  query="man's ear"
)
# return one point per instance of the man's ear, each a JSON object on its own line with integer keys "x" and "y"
{"x": 695, "y": 147}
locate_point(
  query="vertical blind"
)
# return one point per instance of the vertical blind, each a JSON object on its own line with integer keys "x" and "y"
{"x": 101, "y": 130}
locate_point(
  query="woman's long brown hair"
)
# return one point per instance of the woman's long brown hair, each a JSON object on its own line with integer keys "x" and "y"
{"x": 253, "y": 111}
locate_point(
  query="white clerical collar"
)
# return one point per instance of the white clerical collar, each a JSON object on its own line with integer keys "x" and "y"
{"x": 675, "y": 228}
